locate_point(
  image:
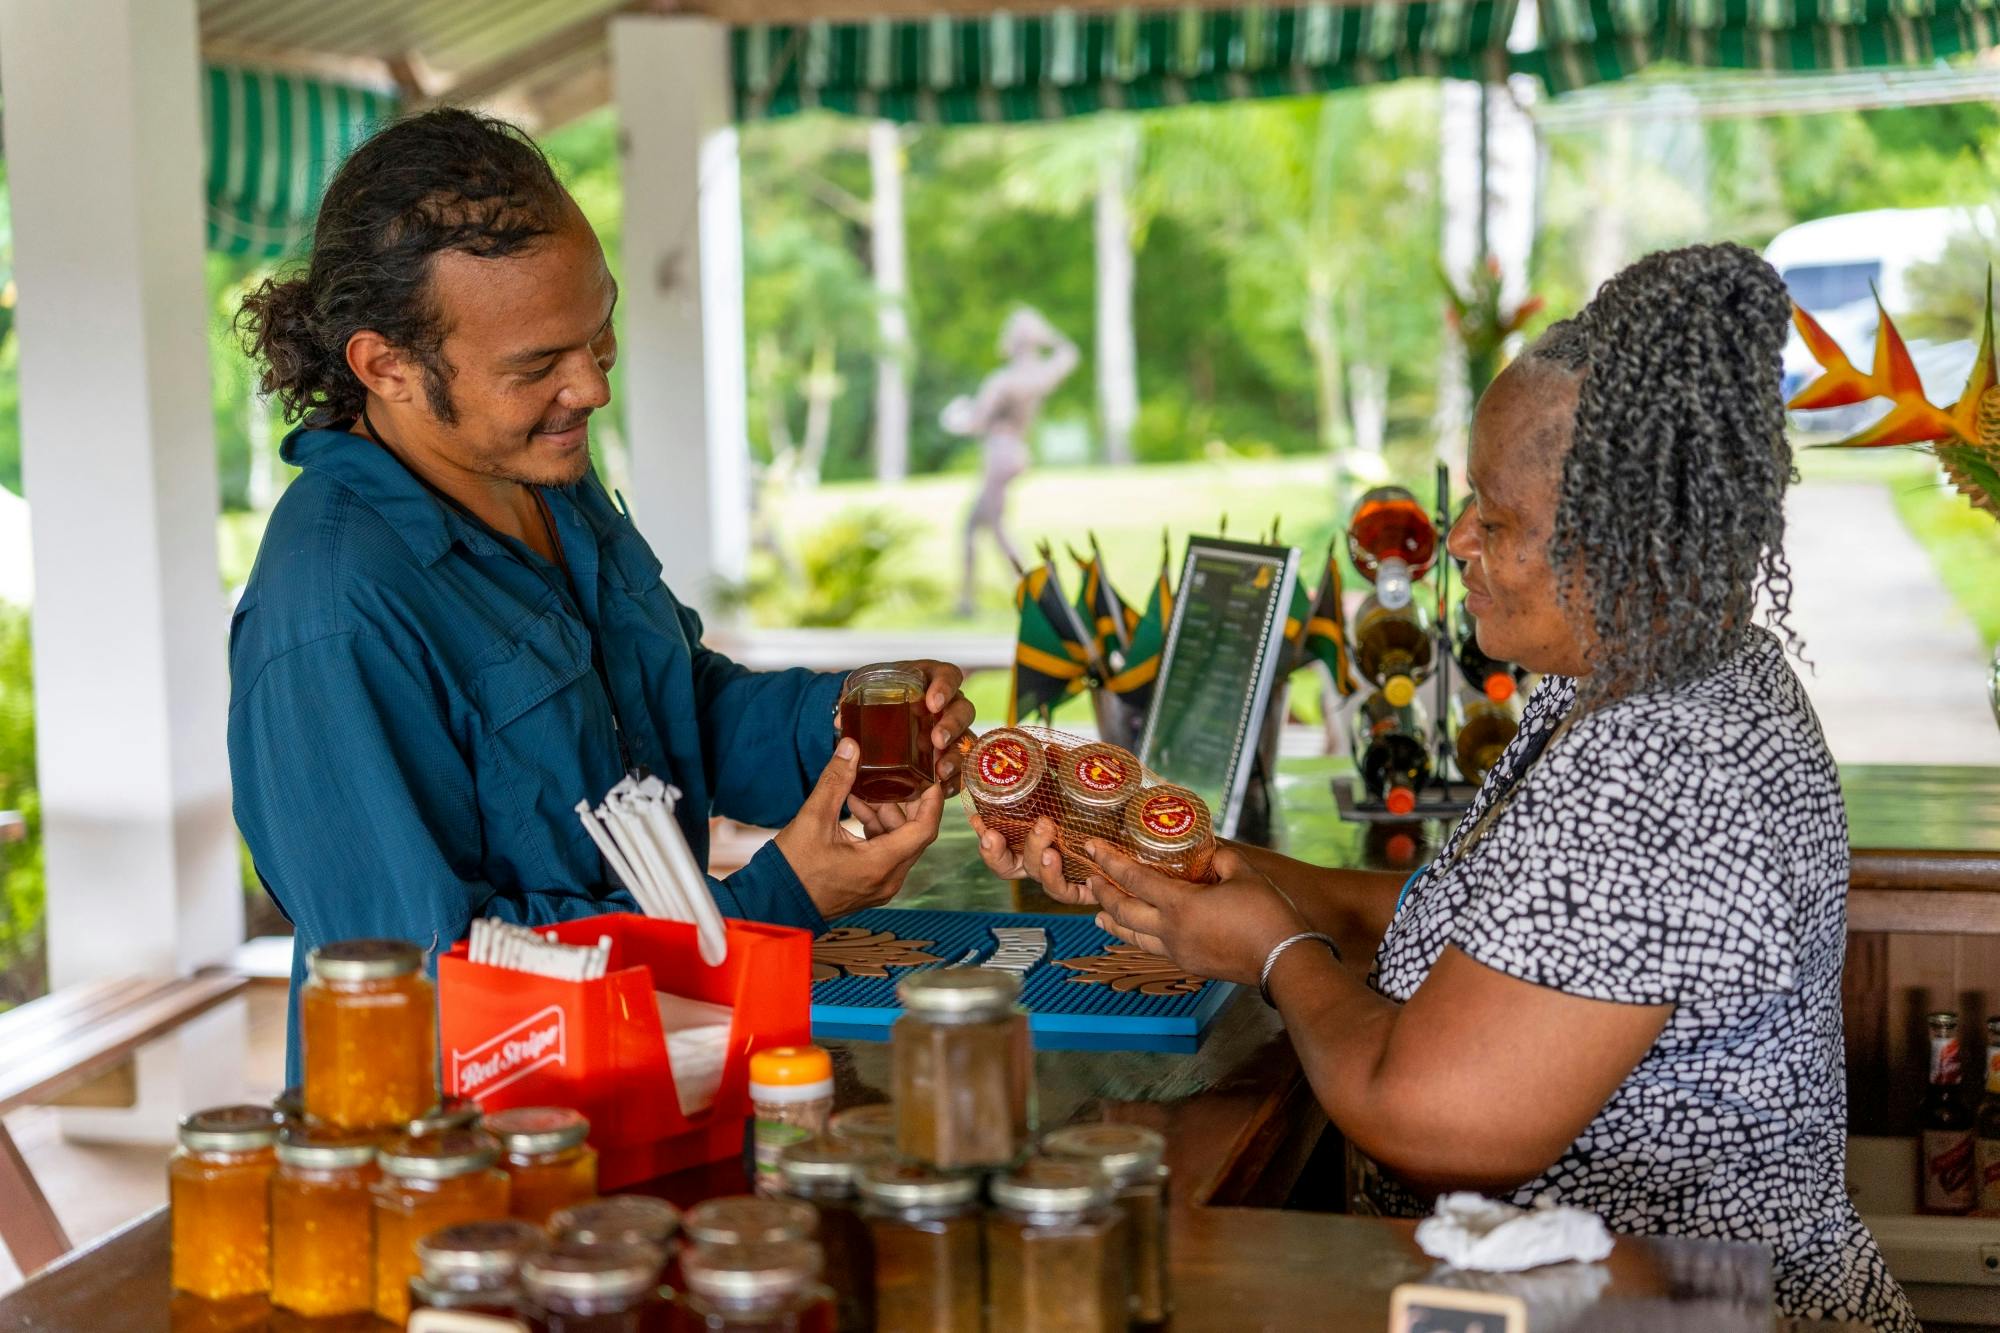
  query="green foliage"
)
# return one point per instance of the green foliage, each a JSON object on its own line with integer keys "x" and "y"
{"x": 1948, "y": 298}
{"x": 857, "y": 561}
{"x": 21, "y": 898}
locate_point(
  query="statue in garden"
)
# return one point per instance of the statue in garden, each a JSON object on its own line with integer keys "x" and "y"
{"x": 1002, "y": 414}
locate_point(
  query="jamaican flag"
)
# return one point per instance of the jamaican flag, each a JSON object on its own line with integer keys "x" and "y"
{"x": 1105, "y": 617}
{"x": 1050, "y": 659}
{"x": 1134, "y": 684}
{"x": 1322, "y": 629}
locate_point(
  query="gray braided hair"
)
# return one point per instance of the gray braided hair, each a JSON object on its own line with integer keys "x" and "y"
{"x": 1670, "y": 518}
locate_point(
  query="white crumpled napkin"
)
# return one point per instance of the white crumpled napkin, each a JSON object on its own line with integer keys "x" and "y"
{"x": 1472, "y": 1231}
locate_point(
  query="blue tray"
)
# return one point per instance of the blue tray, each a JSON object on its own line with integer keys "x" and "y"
{"x": 1063, "y": 1015}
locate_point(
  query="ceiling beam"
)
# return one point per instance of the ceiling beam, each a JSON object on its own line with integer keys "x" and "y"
{"x": 357, "y": 71}
{"x": 800, "y": 11}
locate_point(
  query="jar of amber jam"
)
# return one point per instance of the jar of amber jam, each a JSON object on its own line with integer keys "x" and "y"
{"x": 473, "y": 1269}
{"x": 1129, "y": 1158}
{"x": 545, "y": 1154}
{"x": 1056, "y": 1251}
{"x": 768, "y": 1288}
{"x": 749, "y": 1219}
{"x": 929, "y": 1256}
{"x": 883, "y": 709}
{"x": 872, "y": 1126}
{"x": 451, "y": 1113}
{"x": 964, "y": 1071}
{"x": 322, "y": 1231}
{"x": 427, "y": 1184}
{"x": 218, "y": 1186}
{"x": 593, "y": 1289}
{"x": 368, "y": 1024}
{"x": 826, "y": 1173}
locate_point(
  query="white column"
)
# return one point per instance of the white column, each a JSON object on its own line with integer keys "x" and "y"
{"x": 892, "y": 290}
{"x": 1117, "y": 342}
{"x": 105, "y": 163}
{"x": 683, "y": 297}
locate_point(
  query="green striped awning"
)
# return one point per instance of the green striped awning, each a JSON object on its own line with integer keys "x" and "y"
{"x": 273, "y": 139}
{"x": 1596, "y": 41}
{"x": 1010, "y": 67}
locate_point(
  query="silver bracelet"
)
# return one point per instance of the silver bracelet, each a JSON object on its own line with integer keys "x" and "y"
{"x": 1278, "y": 951}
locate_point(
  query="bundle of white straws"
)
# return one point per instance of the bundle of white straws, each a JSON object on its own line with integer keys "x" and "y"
{"x": 504, "y": 944}
{"x": 645, "y": 848}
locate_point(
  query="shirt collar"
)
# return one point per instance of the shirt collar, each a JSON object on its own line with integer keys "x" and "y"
{"x": 425, "y": 523}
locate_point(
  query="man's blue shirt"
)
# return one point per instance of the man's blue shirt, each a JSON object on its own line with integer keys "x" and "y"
{"x": 414, "y": 711}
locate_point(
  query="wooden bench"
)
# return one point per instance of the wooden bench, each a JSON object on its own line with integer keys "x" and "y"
{"x": 51, "y": 1045}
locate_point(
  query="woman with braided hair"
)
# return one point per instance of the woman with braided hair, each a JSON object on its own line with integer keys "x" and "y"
{"x": 1618, "y": 985}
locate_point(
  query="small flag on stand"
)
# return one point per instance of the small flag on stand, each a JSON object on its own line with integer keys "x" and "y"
{"x": 1134, "y": 684}
{"x": 1104, "y": 614}
{"x": 1322, "y": 631}
{"x": 1050, "y": 657}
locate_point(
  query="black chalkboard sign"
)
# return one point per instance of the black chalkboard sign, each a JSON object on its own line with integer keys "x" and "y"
{"x": 1223, "y": 655}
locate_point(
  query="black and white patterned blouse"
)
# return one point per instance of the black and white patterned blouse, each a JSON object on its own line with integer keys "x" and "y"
{"x": 1687, "y": 847}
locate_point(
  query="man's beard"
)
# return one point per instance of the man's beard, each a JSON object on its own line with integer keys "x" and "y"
{"x": 522, "y": 466}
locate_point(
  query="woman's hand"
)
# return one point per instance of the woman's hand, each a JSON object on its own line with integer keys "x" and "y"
{"x": 1038, "y": 859}
{"x": 1223, "y": 930}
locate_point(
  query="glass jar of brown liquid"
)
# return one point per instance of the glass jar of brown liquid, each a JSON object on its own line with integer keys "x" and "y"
{"x": 1056, "y": 1251}
{"x": 473, "y": 1269}
{"x": 964, "y": 1071}
{"x": 547, "y": 1157}
{"x": 929, "y": 1256}
{"x": 593, "y": 1289}
{"x": 826, "y": 1174}
{"x": 218, "y": 1188}
{"x": 769, "y": 1288}
{"x": 1129, "y": 1156}
{"x": 427, "y": 1184}
{"x": 883, "y": 709}
{"x": 368, "y": 1026}
{"x": 749, "y": 1219}
{"x": 322, "y": 1231}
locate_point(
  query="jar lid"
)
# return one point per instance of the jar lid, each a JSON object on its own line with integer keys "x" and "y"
{"x": 1004, "y": 768}
{"x": 874, "y": 1125}
{"x": 791, "y": 1073}
{"x": 291, "y": 1104}
{"x": 622, "y": 1219}
{"x": 364, "y": 960}
{"x": 887, "y": 674}
{"x": 456, "y": 1152}
{"x": 230, "y": 1129}
{"x": 1052, "y": 1185}
{"x": 908, "y": 1185}
{"x": 318, "y": 1149}
{"x": 1166, "y": 821}
{"x": 1122, "y": 1152}
{"x": 745, "y": 1219}
{"x": 587, "y": 1271}
{"x": 451, "y": 1113}
{"x": 751, "y": 1272}
{"x": 816, "y": 1164}
{"x": 1099, "y": 776}
{"x": 964, "y": 992}
{"x": 532, "y": 1130}
{"x": 478, "y": 1251}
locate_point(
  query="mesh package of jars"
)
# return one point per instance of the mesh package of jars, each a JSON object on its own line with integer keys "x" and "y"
{"x": 1014, "y": 776}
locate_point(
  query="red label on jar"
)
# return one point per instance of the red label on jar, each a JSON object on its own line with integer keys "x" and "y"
{"x": 1003, "y": 763}
{"x": 1167, "y": 816}
{"x": 1100, "y": 772}
{"x": 1945, "y": 1067}
{"x": 1948, "y": 1170}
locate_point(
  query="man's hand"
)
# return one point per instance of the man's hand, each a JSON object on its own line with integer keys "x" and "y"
{"x": 843, "y": 873}
{"x": 944, "y": 701}
{"x": 1223, "y": 930}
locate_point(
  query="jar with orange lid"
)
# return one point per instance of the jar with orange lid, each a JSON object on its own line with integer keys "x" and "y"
{"x": 218, "y": 1187}
{"x": 547, "y": 1157}
{"x": 368, "y": 1025}
{"x": 791, "y": 1098}
{"x": 322, "y": 1230}
{"x": 429, "y": 1183}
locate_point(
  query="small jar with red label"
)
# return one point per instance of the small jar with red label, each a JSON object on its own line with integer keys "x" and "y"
{"x": 1097, "y": 781}
{"x": 1168, "y": 827}
{"x": 1002, "y": 775}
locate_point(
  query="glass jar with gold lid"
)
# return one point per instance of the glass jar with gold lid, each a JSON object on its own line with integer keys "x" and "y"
{"x": 964, "y": 1070}
{"x": 826, "y": 1173}
{"x": 929, "y": 1254}
{"x": 218, "y": 1184}
{"x": 749, "y": 1219}
{"x": 450, "y": 1113}
{"x": 873, "y": 1125}
{"x": 322, "y": 1228}
{"x": 622, "y": 1219}
{"x": 546, "y": 1154}
{"x": 594, "y": 1289}
{"x": 772, "y": 1287}
{"x": 1056, "y": 1255}
{"x": 429, "y": 1182}
{"x": 1129, "y": 1156}
{"x": 473, "y": 1268}
{"x": 368, "y": 1027}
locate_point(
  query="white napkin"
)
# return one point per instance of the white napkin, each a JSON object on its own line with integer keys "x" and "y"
{"x": 697, "y": 1035}
{"x": 1472, "y": 1231}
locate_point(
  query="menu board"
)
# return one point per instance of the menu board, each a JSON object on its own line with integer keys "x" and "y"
{"x": 1221, "y": 660}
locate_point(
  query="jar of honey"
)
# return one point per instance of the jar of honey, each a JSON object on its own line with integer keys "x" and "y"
{"x": 623, "y": 1219}
{"x": 429, "y": 1183}
{"x": 929, "y": 1255}
{"x": 748, "y": 1219}
{"x": 1129, "y": 1158}
{"x": 826, "y": 1173}
{"x": 546, "y": 1156}
{"x": 883, "y": 709}
{"x": 1056, "y": 1251}
{"x": 322, "y": 1231}
{"x": 368, "y": 1024}
{"x": 1005, "y": 776}
{"x": 964, "y": 1071}
{"x": 451, "y": 1113}
{"x": 473, "y": 1269}
{"x": 593, "y": 1289}
{"x": 872, "y": 1126}
{"x": 1097, "y": 781}
{"x": 769, "y": 1288}
{"x": 218, "y": 1188}
{"x": 1168, "y": 827}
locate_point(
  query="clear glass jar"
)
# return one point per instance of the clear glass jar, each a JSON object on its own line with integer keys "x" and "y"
{"x": 473, "y": 1268}
{"x": 594, "y": 1289}
{"x": 964, "y": 1070}
{"x": 791, "y": 1098}
{"x": 746, "y": 1219}
{"x": 883, "y": 709}
{"x": 322, "y": 1228}
{"x": 623, "y": 1219}
{"x": 1056, "y": 1251}
{"x": 826, "y": 1173}
{"x": 547, "y": 1156}
{"x": 1129, "y": 1157}
{"x": 368, "y": 1025}
{"x": 929, "y": 1256}
{"x": 769, "y": 1288}
{"x": 873, "y": 1126}
{"x": 218, "y": 1187}
{"x": 428, "y": 1183}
